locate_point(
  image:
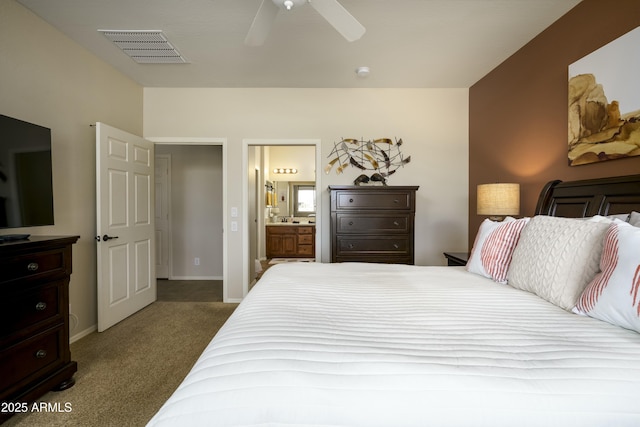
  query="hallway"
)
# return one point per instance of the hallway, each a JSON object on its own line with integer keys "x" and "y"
{"x": 189, "y": 290}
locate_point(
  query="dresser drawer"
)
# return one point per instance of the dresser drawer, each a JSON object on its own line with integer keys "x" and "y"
{"x": 354, "y": 245}
{"x": 22, "y": 310}
{"x": 25, "y": 360}
{"x": 34, "y": 265}
{"x": 371, "y": 223}
{"x": 397, "y": 200}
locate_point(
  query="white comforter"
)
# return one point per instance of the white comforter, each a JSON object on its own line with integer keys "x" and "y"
{"x": 390, "y": 345}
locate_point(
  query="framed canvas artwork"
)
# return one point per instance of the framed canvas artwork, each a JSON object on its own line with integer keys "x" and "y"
{"x": 604, "y": 102}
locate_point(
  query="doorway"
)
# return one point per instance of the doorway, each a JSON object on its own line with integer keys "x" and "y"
{"x": 196, "y": 245}
{"x": 257, "y": 175}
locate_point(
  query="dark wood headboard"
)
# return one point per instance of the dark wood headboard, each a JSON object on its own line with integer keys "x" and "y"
{"x": 579, "y": 199}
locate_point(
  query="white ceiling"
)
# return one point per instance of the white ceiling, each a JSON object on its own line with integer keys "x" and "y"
{"x": 408, "y": 43}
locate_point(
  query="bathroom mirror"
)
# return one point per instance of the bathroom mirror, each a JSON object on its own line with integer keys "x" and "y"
{"x": 296, "y": 198}
{"x": 303, "y": 199}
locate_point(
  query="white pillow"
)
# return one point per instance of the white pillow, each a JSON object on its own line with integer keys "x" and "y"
{"x": 557, "y": 257}
{"x": 493, "y": 247}
{"x": 614, "y": 294}
{"x": 634, "y": 219}
{"x": 621, "y": 217}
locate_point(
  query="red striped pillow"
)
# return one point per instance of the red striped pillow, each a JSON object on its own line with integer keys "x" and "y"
{"x": 498, "y": 248}
{"x": 614, "y": 294}
{"x": 493, "y": 248}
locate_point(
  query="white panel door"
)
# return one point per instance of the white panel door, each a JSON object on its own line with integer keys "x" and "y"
{"x": 125, "y": 205}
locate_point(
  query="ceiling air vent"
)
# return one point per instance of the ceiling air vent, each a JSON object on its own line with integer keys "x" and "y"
{"x": 145, "y": 46}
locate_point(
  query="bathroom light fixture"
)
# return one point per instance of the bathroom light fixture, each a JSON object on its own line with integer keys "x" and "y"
{"x": 285, "y": 170}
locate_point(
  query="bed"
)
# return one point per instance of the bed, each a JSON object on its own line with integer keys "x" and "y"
{"x": 355, "y": 344}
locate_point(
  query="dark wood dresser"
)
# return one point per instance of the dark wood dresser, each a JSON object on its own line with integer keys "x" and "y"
{"x": 373, "y": 223}
{"x": 34, "y": 319}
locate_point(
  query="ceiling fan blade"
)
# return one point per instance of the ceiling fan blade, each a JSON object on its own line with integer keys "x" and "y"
{"x": 262, "y": 23}
{"x": 340, "y": 18}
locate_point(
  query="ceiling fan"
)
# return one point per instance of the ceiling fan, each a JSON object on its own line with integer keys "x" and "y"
{"x": 330, "y": 10}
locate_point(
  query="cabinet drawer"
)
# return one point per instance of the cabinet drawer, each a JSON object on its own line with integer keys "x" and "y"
{"x": 369, "y": 223}
{"x": 26, "y": 359}
{"x": 305, "y": 239}
{"x": 369, "y": 200}
{"x": 305, "y": 250}
{"x": 371, "y": 245}
{"x": 22, "y": 310}
{"x": 305, "y": 230}
{"x": 281, "y": 229}
{"x": 35, "y": 264}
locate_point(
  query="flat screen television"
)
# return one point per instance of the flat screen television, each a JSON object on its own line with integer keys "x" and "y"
{"x": 26, "y": 188}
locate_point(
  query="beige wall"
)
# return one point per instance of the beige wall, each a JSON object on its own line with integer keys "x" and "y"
{"x": 302, "y": 158}
{"x": 518, "y": 112}
{"x": 432, "y": 122}
{"x": 49, "y": 80}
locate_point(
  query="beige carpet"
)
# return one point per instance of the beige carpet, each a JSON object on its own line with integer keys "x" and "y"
{"x": 190, "y": 290}
{"x": 127, "y": 372}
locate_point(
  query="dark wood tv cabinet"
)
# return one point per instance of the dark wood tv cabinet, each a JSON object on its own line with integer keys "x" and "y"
{"x": 34, "y": 319}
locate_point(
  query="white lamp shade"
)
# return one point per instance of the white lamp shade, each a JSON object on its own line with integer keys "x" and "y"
{"x": 499, "y": 199}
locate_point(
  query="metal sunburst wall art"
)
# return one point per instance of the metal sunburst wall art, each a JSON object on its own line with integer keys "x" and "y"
{"x": 383, "y": 156}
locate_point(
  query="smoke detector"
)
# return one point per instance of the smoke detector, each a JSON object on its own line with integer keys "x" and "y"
{"x": 362, "y": 71}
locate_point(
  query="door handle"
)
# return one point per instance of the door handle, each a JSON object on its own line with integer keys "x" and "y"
{"x": 105, "y": 238}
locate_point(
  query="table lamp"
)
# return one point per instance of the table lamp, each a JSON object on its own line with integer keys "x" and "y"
{"x": 498, "y": 200}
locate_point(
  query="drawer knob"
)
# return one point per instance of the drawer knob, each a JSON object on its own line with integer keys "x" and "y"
{"x": 41, "y": 354}
{"x": 33, "y": 266}
{"x": 41, "y": 306}
{"x": 350, "y": 222}
{"x": 396, "y": 201}
{"x": 350, "y": 200}
{"x": 396, "y": 223}
{"x": 351, "y": 246}
{"x": 396, "y": 246}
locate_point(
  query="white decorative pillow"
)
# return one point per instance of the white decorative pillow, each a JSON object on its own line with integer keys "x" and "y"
{"x": 493, "y": 247}
{"x": 621, "y": 217}
{"x": 614, "y": 294}
{"x": 634, "y": 219}
{"x": 557, "y": 257}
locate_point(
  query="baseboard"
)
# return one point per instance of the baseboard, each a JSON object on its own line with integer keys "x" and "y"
{"x": 233, "y": 301}
{"x": 195, "y": 278}
{"x": 83, "y": 334}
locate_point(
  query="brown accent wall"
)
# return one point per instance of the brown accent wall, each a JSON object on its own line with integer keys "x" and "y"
{"x": 518, "y": 112}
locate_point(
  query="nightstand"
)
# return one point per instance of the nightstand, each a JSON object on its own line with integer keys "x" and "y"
{"x": 456, "y": 259}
